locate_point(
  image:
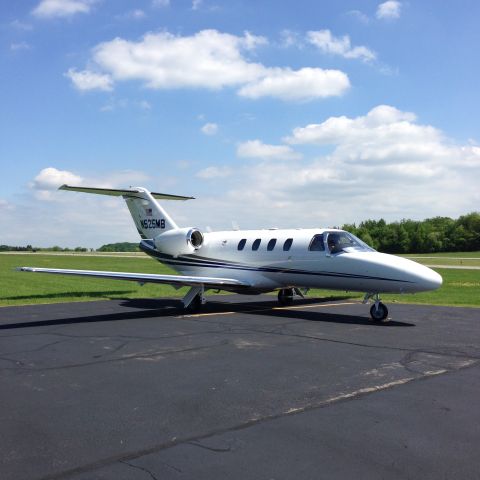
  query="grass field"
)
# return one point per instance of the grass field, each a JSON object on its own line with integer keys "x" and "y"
{"x": 460, "y": 287}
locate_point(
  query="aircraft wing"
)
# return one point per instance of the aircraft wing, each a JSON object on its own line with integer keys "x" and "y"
{"x": 175, "y": 280}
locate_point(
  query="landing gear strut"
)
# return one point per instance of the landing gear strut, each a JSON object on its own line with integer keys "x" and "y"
{"x": 194, "y": 299}
{"x": 378, "y": 311}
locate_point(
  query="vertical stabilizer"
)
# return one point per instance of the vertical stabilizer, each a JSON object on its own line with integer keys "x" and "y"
{"x": 149, "y": 216}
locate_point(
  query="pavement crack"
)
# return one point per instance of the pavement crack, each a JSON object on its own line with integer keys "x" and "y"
{"x": 212, "y": 449}
{"x": 138, "y": 467}
{"x": 158, "y": 353}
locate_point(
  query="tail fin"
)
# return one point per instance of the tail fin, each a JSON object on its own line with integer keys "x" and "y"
{"x": 149, "y": 217}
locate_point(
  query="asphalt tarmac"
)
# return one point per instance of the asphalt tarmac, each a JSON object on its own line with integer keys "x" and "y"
{"x": 134, "y": 389}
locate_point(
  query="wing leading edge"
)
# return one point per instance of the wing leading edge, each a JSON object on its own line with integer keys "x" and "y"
{"x": 175, "y": 280}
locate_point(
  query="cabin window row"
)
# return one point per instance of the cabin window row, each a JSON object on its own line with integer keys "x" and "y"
{"x": 270, "y": 245}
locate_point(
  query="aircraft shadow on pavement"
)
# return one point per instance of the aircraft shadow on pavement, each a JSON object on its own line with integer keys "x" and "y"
{"x": 97, "y": 294}
{"x": 333, "y": 317}
{"x": 158, "y": 308}
{"x": 153, "y": 307}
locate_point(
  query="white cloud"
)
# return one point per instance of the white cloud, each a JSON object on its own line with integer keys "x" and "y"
{"x": 290, "y": 38}
{"x": 49, "y": 179}
{"x": 382, "y": 164}
{"x": 360, "y": 16}
{"x": 17, "y": 24}
{"x": 88, "y": 80}
{"x": 15, "y": 47}
{"x": 389, "y": 10}
{"x": 160, "y": 3}
{"x": 214, "y": 172}
{"x": 327, "y": 43}
{"x": 124, "y": 103}
{"x": 196, "y": 4}
{"x": 208, "y": 59}
{"x": 136, "y": 14}
{"x": 62, "y": 8}
{"x": 257, "y": 149}
{"x": 297, "y": 85}
{"x": 209, "y": 129}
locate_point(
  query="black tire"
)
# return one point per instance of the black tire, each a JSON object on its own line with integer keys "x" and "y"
{"x": 379, "y": 314}
{"x": 195, "y": 306}
{"x": 285, "y": 296}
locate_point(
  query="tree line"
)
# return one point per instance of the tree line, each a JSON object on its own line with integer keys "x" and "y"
{"x": 438, "y": 234}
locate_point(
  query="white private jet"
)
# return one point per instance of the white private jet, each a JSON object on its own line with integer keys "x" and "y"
{"x": 258, "y": 261}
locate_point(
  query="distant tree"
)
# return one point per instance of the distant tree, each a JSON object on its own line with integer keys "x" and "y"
{"x": 119, "y": 247}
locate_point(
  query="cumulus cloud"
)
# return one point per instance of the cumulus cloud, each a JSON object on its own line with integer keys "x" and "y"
{"x": 208, "y": 59}
{"x": 17, "y": 24}
{"x": 49, "y": 179}
{"x": 258, "y": 149}
{"x": 15, "y": 47}
{"x": 381, "y": 164}
{"x": 62, "y": 8}
{"x": 88, "y": 80}
{"x": 297, "y": 85}
{"x": 328, "y": 43}
{"x": 209, "y": 129}
{"x": 214, "y": 172}
{"x": 360, "y": 16}
{"x": 160, "y": 3}
{"x": 389, "y": 10}
{"x": 136, "y": 14}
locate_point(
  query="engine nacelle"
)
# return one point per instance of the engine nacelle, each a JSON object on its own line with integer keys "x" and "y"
{"x": 180, "y": 241}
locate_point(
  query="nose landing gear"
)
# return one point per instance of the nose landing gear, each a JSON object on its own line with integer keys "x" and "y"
{"x": 285, "y": 296}
{"x": 378, "y": 311}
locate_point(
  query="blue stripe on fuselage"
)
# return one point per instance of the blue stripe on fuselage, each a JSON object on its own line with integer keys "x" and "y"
{"x": 190, "y": 261}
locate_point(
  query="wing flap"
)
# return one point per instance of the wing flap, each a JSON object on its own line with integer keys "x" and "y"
{"x": 177, "y": 280}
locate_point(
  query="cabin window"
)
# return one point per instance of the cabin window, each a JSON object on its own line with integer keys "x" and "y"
{"x": 271, "y": 244}
{"x": 287, "y": 244}
{"x": 316, "y": 245}
{"x": 241, "y": 244}
{"x": 256, "y": 244}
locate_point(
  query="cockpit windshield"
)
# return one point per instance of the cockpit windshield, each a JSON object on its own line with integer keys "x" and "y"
{"x": 345, "y": 242}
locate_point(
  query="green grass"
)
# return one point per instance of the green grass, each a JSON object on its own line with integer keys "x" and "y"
{"x": 460, "y": 287}
{"x": 461, "y": 259}
{"x": 444, "y": 254}
{"x": 21, "y": 288}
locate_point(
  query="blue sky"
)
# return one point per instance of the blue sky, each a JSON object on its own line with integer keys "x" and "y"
{"x": 282, "y": 114}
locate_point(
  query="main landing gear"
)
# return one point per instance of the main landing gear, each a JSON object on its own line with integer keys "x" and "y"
{"x": 194, "y": 299}
{"x": 378, "y": 311}
{"x": 286, "y": 296}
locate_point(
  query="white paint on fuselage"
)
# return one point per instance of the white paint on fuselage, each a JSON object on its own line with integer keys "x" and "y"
{"x": 365, "y": 271}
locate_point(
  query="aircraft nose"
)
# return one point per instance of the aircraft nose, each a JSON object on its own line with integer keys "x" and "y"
{"x": 428, "y": 279}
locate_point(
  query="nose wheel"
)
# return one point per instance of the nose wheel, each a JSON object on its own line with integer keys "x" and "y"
{"x": 285, "y": 296}
{"x": 378, "y": 311}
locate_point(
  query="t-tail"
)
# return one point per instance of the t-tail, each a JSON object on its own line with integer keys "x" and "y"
{"x": 151, "y": 220}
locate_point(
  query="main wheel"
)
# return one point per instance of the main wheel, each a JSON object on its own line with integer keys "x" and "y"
{"x": 285, "y": 296}
{"x": 379, "y": 313}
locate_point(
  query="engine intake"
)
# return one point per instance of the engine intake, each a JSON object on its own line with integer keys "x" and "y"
{"x": 180, "y": 241}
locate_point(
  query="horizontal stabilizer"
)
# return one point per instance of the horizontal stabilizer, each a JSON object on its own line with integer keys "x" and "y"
{"x": 177, "y": 280}
{"x": 120, "y": 192}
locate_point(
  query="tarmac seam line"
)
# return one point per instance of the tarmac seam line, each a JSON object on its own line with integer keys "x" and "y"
{"x": 193, "y": 440}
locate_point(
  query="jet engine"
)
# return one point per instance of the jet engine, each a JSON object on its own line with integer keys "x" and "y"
{"x": 180, "y": 241}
